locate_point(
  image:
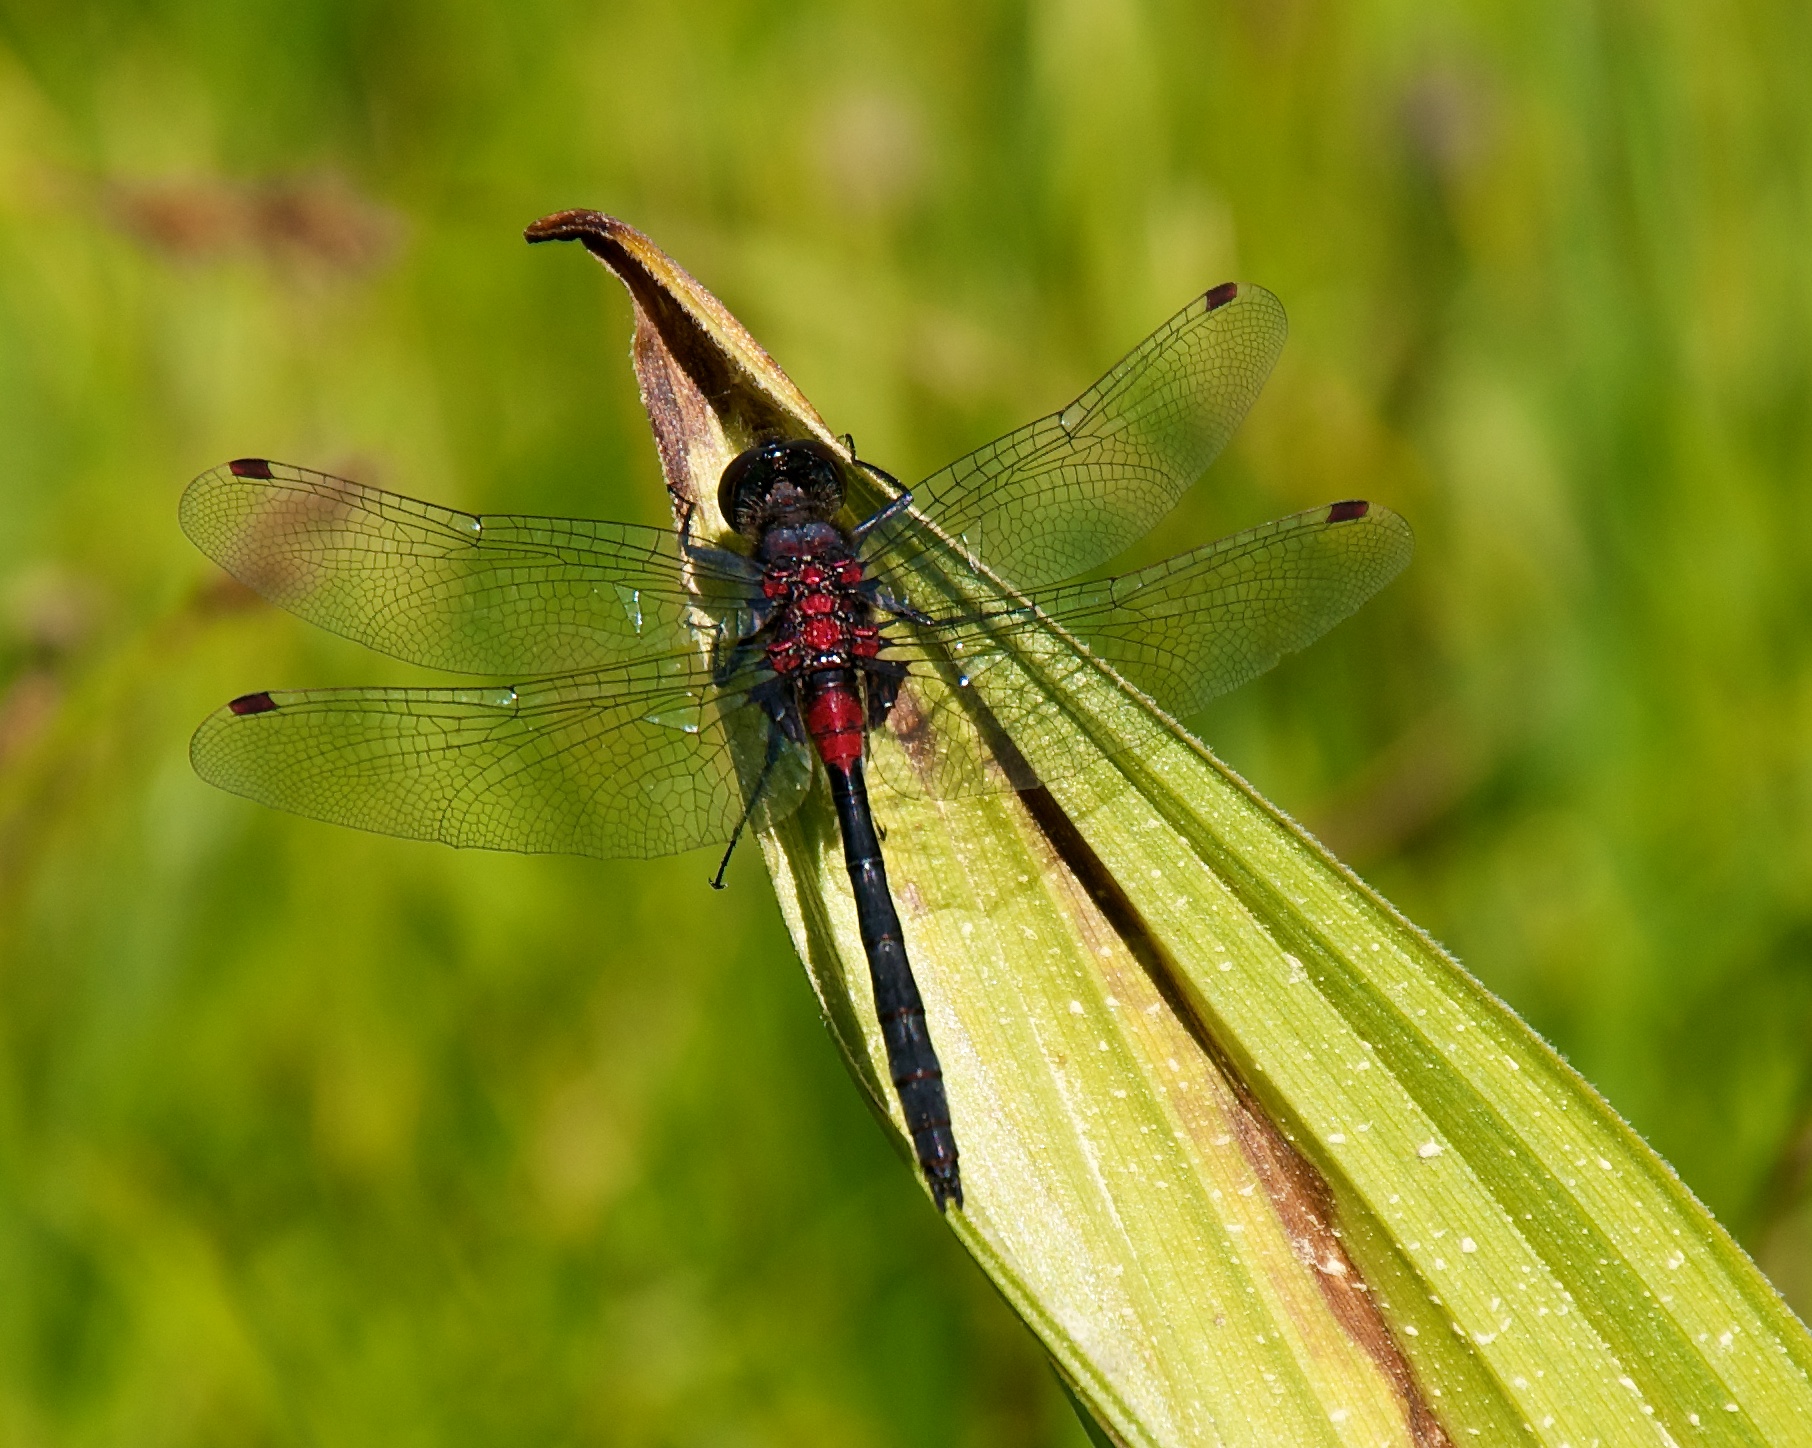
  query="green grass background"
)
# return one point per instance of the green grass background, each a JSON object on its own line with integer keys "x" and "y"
{"x": 314, "y": 1137}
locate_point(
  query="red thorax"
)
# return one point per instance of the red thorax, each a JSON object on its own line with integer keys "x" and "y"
{"x": 822, "y": 626}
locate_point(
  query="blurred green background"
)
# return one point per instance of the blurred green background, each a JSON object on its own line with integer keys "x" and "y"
{"x": 308, "y": 1136}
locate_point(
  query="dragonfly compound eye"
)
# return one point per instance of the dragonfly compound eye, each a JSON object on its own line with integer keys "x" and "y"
{"x": 780, "y": 482}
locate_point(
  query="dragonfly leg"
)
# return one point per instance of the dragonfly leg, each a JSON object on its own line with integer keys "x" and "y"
{"x": 730, "y": 654}
{"x": 726, "y": 662}
{"x": 720, "y": 560}
{"x": 883, "y": 678}
{"x": 849, "y": 441}
{"x": 778, "y": 699}
{"x": 775, "y": 744}
{"x": 881, "y": 519}
{"x": 897, "y": 607}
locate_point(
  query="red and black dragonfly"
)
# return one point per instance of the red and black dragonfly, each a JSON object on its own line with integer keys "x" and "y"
{"x": 667, "y": 690}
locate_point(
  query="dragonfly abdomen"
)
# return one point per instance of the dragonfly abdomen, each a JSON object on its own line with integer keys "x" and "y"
{"x": 834, "y": 716}
{"x": 912, "y": 1062}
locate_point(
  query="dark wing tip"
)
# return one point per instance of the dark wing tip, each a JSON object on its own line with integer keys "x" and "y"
{"x": 1346, "y": 512}
{"x": 249, "y": 468}
{"x": 253, "y": 704}
{"x": 1219, "y": 296}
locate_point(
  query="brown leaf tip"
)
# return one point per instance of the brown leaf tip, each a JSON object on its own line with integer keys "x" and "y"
{"x": 577, "y": 225}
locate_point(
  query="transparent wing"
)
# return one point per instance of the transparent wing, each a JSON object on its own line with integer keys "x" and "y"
{"x": 482, "y": 595}
{"x": 646, "y": 759}
{"x": 1199, "y": 625}
{"x": 1069, "y": 491}
{"x": 1184, "y": 631}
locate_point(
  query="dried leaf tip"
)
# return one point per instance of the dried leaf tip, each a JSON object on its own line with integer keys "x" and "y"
{"x": 711, "y": 389}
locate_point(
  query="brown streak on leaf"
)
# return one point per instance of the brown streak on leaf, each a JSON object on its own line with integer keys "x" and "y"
{"x": 1305, "y": 1204}
{"x": 678, "y": 413}
{"x": 709, "y": 387}
{"x": 1296, "y": 1189}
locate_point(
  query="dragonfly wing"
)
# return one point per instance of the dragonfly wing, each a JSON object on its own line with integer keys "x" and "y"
{"x": 956, "y": 731}
{"x": 647, "y": 759}
{"x": 451, "y": 590}
{"x": 1069, "y": 491}
{"x": 1199, "y": 625}
{"x": 1183, "y": 631}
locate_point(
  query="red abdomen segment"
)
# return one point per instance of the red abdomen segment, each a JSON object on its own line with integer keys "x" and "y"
{"x": 834, "y": 716}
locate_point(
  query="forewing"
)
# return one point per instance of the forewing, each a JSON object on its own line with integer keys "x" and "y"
{"x": 486, "y": 595}
{"x": 646, "y": 759}
{"x": 1183, "y": 631}
{"x": 1199, "y": 625}
{"x": 1069, "y": 491}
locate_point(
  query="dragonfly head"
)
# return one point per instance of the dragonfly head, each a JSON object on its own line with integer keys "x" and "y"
{"x": 789, "y": 482}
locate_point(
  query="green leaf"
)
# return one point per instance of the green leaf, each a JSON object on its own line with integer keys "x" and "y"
{"x": 1254, "y": 1157}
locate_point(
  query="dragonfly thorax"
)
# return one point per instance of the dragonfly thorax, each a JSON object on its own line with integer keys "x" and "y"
{"x": 822, "y": 619}
{"x": 780, "y": 484}
{"x": 782, "y": 543}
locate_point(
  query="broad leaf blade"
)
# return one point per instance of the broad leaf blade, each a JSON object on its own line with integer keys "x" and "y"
{"x": 1258, "y": 1162}
{"x": 1178, "y": 1091}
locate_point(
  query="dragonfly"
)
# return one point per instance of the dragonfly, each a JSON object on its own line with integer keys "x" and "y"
{"x": 666, "y": 691}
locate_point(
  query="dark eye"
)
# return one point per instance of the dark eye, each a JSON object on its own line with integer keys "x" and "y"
{"x": 806, "y": 465}
{"x": 815, "y": 469}
{"x": 817, "y": 451}
{"x": 730, "y": 489}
